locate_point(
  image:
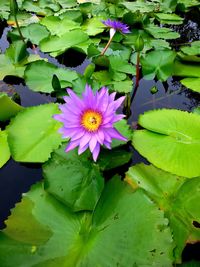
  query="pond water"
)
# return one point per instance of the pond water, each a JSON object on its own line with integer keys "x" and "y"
{"x": 16, "y": 178}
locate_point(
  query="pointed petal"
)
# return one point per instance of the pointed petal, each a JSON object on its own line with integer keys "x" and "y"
{"x": 82, "y": 149}
{"x": 115, "y": 134}
{"x": 107, "y": 144}
{"x": 85, "y": 139}
{"x": 72, "y": 145}
{"x": 92, "y": 143}
{"x": 96, "y": 151}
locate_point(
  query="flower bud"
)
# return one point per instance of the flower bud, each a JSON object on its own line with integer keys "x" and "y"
{"x": 139, "y": 44}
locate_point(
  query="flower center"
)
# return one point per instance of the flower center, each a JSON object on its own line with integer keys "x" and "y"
{"x": 91, "y": 120}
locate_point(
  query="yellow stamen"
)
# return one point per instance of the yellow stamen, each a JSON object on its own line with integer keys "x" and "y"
{"x": 91, "y": 120}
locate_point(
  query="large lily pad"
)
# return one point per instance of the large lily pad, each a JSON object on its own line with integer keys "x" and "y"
{"x": 177, "y": 196}
{"x": 118, "y": 232}
{"x": 171, "y": 140}
{"x": 39, "y": 74}
{"x": 61, "y": 43}
{"x": 4, "y": 148}
{"x": 32, "y": 134}
{"x": 74, "y": 179}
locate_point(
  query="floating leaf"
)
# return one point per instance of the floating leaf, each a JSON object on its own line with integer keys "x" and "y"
{"x": 158, "y": 63}
{"x": 7, "y": 68}
{"x": 186, "y": 69}
{"x": 93, "y": 26}
{"x": 119, "y": 226}
{"x": 192, "y": 50}
{"x": 117, "y": 64}
{"x": 33, "y": 32}
{"x": 162, "y": 33}
{"x": 32, "y": 134}
{"x": 192, "y": 83}
{"x": 114, "y": 158}
{"x": 39, "y": 74}
{"x": 176, "y": 196}
{"x": 63, "y": 42}
{"x": 169, "y": 18}
{"x": 8, "y": 108}
{"x": 4, "y": 148}
{"x": 73, "y": 179}
{"x": 59, "y": 27}
{"x": 171, "y": 140}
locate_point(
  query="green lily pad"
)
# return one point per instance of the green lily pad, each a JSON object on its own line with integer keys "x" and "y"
{"x": 119, "y": 226}
{"x": 192, "y": 83}
{"x": 176, "y": 196}
{"x": 59, "y": 26}
{"x": 39, "y": 75}
{"x": 158, "y": 63}
{"x": 186, "y": 69}
{"x": 162, "y": 33}
{"x": 171, "y": 141}
{"x": 4, "y": 148}
{"x": 169, "y": 18}
{"x": 73, "y": 179}
{"x": 33, "y": 133}
{"x": 33, "y": 32}
{"x": 63, "y": 42}
{"x": 93, "y": 26}
{"x": 192, "y": 50}
{"x": 8, "y": 68}
{"x": 8, "y": 108}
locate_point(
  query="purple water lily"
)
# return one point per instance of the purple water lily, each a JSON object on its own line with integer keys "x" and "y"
{"x": 88, "y": 122}
{"x": 117, "y": 25}
{"x": 114, "y": 26}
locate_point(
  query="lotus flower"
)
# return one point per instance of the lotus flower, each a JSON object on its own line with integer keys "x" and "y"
{"x": 88, "y": 122}
{"x": 114, "y": 26}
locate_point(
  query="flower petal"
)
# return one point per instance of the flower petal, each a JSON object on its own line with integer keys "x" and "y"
{"x": 72, "y": 145}
{"x": 96, "y": 151}
{"x": 92, "y": 143}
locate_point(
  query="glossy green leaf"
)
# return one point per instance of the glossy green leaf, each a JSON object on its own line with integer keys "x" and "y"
{"x": 59, "y": 26}
{"x": 17, "y": 52}
{"x": 4, "y": 148}
{"x": 8, "y": 108}
{"x": 63, "y": 42}
{"x": 171, "y": 140}
{"x": 192, "y": 50}
{"x": 33, "y": 133}
{"x": 39, "y": 74}
{"x": 119, "y": 226}
{"x": 186, "y": 69}
{"x": 169, "y": 18}
{"x": 73, "y": 179}
{"x": 125, "y": 86}
{"x": 8, "y": 68}
{"x": 117, "y": 64}
{"x": 162, "y": 33}
{"x": 176, "y": 196}
{"x": 192, "y": 83}
{"x": 114, "y": 158}
{"x": 158, "y": 63}
{"x": 33, "y": 32}
{"x": 93, "y": 26}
